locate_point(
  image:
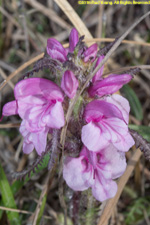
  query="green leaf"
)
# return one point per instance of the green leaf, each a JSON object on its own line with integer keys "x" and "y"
{"x": 136, "y": 108}
{"x": 144, "y": 131}
{"x": 41, "y": 209}
{"x": 8, "y": 199}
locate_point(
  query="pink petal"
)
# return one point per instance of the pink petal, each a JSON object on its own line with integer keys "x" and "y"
{"x": 90, "y": 53}
{"x": 10, "y": 108}
{"x": 56, "y": 50}
{"x": 69, "y": 84}
{"x": 104, "y": 189}
{"x": 99, "y": 74}
{"x": 120, "y": 136}
{"x": 96, "y": 109}
{"x": 121, "y": 103}
{"x": 27, "y": 147}
{"x": 31, "y": 106}
{"x": 73, "y": 173}
{"x": 117, "y": 163}
{"x": 93, "y": 138}
{"x": 109, "y": 85}
{"x": 55, "y": 118}
{"x": 125, "y": 143}
{"x": 73, "y": 39}
{"x": 39, "y": 141}
{"x": 38, "y": 86}
{"x": 116, "y": 127}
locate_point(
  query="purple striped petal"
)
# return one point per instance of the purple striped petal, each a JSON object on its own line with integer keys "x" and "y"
{"x": 104, "y": 189}
{"x": 69, "y": 83}
{"x": 109, "y": 85}
{"x": 98, "y": 109}
{"x": 121, "y": 103}
{"x": 56, "y": 50}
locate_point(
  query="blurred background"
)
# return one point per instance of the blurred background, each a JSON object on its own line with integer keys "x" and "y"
{"x": 25, "y": 27}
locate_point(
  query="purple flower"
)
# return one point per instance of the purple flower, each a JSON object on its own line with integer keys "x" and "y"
{"x": 95, "y": 170}
{"x": 107, "y": 122}
{"x": 73, "y": 39}
{"x": 56, "y": 50}
{"x": 39, "y": 104}
{"x": 69, "y": 83}
{"x": 90, "y": 53}
{"x": 109, "y": 85}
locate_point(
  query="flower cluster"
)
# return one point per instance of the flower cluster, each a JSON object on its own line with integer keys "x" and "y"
{"x": 41, "y": 104}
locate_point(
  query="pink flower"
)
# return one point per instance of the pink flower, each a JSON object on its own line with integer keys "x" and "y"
{"x": 90, "y": 53}
{"x": 69, "y": 83}
{"x": 109, "y": 85}
{"x": 73, "y": 39}
{"x": 107, "y": 122}
{"x": 56, "y": 50}
{"x": 39, "y": 103}
{"x": 95, "y": 170}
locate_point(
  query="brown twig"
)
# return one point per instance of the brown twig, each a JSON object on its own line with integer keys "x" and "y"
{"x": 21, "y": 211}
{"x": 9, "y": 125}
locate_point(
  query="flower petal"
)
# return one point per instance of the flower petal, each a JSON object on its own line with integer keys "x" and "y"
{"x": 39, "y": 141}
{"x": 96, "y": 109}
{"x": 105, "y": 189}
{"x": 69, "y": 83}
{"x": 125, "y": 143}
{"x": 121, "y": 103}
{"x": 99, "y": 73}
{"x": 73, "y": 173}
{"x": 120, "y": 136}
{"x": 109, "y": 85}
{"x": 38, "y": 86}
{"x": 73, "y": 39}
{"x": 90, "y": 53}
{"x": 27, "y": 147}
{"x": 10, "y": 108}
{"x": 117, "y": 164}
{"x": 56, "y": 50}
{"x": 93, "y": 138}
{"x": 55, "y": 117}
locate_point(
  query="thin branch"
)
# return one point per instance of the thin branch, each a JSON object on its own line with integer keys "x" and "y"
{"x": 112, "y": 39}
{"x": 21, "y": 211}
{"x": 21, "y": 68}
{"x": 9, "y": 125}
{"x": 123, "y": 69}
